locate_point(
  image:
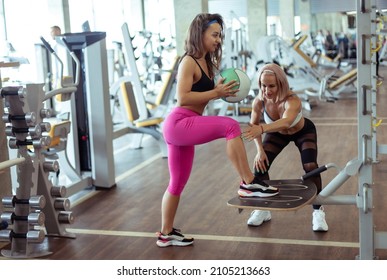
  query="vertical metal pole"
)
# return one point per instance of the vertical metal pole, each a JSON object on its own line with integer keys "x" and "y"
{"x": 100, "y": 121}
{"x": 364, "y": 90}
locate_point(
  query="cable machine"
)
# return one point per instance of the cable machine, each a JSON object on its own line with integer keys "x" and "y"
{"x": 91, "y": 117}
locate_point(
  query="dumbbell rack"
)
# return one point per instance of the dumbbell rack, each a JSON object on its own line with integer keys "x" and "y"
{"x": 38, "y": 209}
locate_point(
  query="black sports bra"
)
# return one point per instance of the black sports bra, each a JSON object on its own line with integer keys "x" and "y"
{"x": 205, "y": 83}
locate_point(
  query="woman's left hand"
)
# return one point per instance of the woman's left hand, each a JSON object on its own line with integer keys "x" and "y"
{"x": 252, "y": 132}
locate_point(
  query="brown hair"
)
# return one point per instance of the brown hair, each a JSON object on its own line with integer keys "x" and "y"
{"x": 194, "y": 41}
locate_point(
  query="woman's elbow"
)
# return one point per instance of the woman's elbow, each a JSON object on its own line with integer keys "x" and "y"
{"x": 286, "y": 125}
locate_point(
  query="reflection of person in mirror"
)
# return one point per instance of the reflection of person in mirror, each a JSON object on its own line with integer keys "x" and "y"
{"x": 55, "y": 31}
{"x": 55, "y": 77}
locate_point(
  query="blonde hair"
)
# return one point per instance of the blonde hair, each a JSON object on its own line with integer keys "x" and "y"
{"x": 282, "y": 81}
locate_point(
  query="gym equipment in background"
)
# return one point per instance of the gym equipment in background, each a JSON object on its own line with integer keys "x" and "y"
{"x": 38, "y": 208}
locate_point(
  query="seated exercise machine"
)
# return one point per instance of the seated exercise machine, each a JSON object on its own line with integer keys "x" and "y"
{"x": 135, "y": 111}
{"x": 164, "y": 98}
{"x": 132, "y": 121}
{"x": 305, "y": 75}
{"x": 330, "y": 82}
{"x": 273, "y": 49}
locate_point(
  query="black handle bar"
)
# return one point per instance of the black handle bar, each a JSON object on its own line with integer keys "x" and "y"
{"x": 46, "y": 44}
{"x": 314, "y": 172}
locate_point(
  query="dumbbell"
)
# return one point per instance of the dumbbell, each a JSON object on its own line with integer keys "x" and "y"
{"x": 30, "y": 118}
{"x": 45, "y": 126}
{"x": 51, "y": 166}
{"x": 34, "y": 218}
{"x": 34, "y": 201}
{"x": 62, "y": 204}
{"x": 7, "y": 91}
{"x": 37, "y": 143}
{"x": 32, "y": 236}
{"x": 35, "y": 131}
{"x": 65, "y": 217}
{"x": 58, "y": 191}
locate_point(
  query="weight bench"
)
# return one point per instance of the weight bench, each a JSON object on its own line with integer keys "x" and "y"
{"x": 163, "y": 97}
{"x": 296, "y": 47}
{"x": 132, "y": 123}
{"x": 345, "y": 79}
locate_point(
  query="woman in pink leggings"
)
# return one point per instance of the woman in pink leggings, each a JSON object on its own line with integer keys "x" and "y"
{"x": 186, "y": 127}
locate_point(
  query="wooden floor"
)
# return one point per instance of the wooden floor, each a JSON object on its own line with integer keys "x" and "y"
{"x": 120, "y": 223}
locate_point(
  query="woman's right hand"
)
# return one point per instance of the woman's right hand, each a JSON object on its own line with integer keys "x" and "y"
{"x": 225, "y": 89}
{"x": 261, "y": 162}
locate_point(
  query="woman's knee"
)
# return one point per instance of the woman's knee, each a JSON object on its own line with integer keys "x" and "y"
{"x": 233, "y": 129}
{"x": 175, "y": 190}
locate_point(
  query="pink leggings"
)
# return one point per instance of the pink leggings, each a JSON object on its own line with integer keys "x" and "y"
{"x": 183, "y": 129}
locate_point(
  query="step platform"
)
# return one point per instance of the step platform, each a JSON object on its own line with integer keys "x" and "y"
{"x": 293, "y": 194}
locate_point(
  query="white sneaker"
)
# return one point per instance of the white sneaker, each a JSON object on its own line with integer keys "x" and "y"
{"x": 319, "y": 223}
{"x": 257, "y": 217}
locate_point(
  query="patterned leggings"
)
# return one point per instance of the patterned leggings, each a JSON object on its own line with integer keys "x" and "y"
{"x": 306, "y": 142}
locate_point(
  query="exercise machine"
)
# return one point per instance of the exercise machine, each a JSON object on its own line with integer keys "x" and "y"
{"x": 145, "y": 112}
{"x": 132, "y": 122}
{"x": 91, "y": 143}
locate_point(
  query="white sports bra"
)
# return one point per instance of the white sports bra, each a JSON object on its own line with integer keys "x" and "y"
{"x": 268, "y": 119}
